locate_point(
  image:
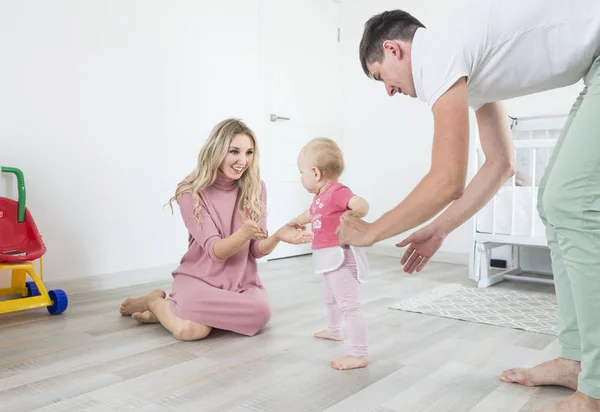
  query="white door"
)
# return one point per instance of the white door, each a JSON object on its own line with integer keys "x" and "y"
{"x": 299, "y": 55}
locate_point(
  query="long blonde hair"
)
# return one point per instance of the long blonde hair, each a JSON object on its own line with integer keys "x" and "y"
{"x": 210, "y": 158}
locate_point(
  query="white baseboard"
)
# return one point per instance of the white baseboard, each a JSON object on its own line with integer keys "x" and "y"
{"x": 163, "y": 272}
{"x": 116, "y": 280}
{"x": 441, "y": 256}
{"x": 113, "y": 280}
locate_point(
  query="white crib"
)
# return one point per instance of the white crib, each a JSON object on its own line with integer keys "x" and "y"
{"x": 511, "y": 218}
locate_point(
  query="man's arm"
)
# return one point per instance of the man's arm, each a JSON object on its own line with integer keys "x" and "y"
{"x": 446, "y": 179}
{"x": 499, "y": 166}
{"x": 497, "y": 145}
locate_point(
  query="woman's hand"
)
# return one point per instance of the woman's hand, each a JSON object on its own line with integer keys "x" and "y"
{"x": 251, "y": 229}
{"x": 294, "y": 234}
{"x": 422, "y": 245}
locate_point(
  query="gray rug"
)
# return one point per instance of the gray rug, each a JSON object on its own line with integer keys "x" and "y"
{"x": 530, "y": 311}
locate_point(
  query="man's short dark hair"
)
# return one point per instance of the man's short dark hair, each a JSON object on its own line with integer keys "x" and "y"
{"x": 389, "y": 25}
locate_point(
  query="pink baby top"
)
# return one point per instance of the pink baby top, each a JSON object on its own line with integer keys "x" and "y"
{"x": 326, "y": 209}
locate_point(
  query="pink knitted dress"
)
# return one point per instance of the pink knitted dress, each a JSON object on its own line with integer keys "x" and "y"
{"x": 224, "y": 294}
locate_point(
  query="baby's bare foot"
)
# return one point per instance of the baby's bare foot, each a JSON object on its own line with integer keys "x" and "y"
{"x": 575, "y": 403}
{"x": 350, "y": 362}
{"x": 145, "y": 317}
{"x": 324, "y": 334}
{"x": 560, "y": 372}
{"x": 140, "y": 303}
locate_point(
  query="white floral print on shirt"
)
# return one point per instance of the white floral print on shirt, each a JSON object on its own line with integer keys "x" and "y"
{"x": 316, "y": 222}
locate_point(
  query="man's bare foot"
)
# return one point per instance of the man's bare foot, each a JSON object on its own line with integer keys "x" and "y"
{"x": 576, "y": 403}
{"x": 560, "y": 372}
{"x": 140, "y": 303}
{"x": 350, "y": 362}
{"x": 145, "y": 317}
{"x": 324, "y": 334}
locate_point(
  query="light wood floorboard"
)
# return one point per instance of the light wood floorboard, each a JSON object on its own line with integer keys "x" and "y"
{"x": 92, "y": 359}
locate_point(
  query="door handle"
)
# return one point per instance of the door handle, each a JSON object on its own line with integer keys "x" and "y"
{"x": 274, "y": 118}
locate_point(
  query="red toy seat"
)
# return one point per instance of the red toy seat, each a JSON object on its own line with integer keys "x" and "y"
{"x": 19, "y": 242}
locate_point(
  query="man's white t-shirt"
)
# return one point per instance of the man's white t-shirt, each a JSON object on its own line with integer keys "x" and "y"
{"x": 507, "y": 48}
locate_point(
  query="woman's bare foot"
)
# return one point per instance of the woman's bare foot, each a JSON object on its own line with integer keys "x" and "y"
{"x": 560, "y": 372}
{"x": 324, "y": 334}
{"x": 140, "y": 303}
{"x": 145, "y": 317}
{"x": 350, "y": 362}
{"x": 576, "y": 403}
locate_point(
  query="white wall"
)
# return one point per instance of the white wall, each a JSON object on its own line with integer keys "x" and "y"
{"x": 387, "y": 141}
{"x": 558, "y": 101}
{"x": 105, "y": 105}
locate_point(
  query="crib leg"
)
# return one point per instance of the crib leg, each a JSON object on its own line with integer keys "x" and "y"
{"x": 516, "y": 257}
{"x": 483, "y": 266}
{"x": 485, "y": 278}
{"x": 473, "y": 263}
{"x": 483, "y": 256}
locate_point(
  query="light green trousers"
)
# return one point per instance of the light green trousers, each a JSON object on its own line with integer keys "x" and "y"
{"x": 569, "y": 206}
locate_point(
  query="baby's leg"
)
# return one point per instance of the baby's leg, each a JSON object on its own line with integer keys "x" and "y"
{"x": 345, "y": 287}
{"x": 334, "y": 316}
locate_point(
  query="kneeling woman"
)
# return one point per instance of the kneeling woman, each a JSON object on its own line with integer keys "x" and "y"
{"x": 223, "y": 205}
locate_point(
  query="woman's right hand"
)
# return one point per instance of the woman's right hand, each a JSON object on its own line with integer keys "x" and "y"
{"x": 251, "y": 230}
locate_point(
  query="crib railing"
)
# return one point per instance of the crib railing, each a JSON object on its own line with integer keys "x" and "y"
{"x": 501, "y": 222}
{"x": 534, "y": 140}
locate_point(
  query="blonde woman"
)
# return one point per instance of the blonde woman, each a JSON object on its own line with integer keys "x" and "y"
{"x": 222, "y": 203}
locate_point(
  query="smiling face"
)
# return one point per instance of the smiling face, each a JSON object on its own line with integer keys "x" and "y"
{"x": 239, "y": 156}
{"x": 395, "y": 69}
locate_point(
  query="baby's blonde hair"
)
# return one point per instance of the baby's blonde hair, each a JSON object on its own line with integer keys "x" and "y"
{"x": 326, "y": 155}
{"x": 210, "y": 158}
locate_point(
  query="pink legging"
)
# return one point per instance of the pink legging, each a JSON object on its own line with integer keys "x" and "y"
{"x": 342, "y": 300}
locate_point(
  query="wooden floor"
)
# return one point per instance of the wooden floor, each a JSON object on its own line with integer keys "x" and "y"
{"x": 92, "y": 359}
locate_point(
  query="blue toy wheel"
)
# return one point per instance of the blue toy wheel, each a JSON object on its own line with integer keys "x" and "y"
{"x": 60, "y": 301}
{"x": 32, "y": 289}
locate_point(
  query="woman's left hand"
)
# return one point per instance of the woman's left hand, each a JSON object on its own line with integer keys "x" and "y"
{"x": 422, "y": 245}
{"x": 289, "y": 234}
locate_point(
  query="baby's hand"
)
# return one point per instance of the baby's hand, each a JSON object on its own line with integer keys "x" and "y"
{"x": 289, "y": 234}
{"x": 296, "y": 225}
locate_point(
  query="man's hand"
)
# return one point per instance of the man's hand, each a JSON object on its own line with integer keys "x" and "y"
{"x": 422, "y": 245}
{"x": 353, "y": 231}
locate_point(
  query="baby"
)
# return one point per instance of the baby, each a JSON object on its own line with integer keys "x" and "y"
{"x": 321, "y": 163}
